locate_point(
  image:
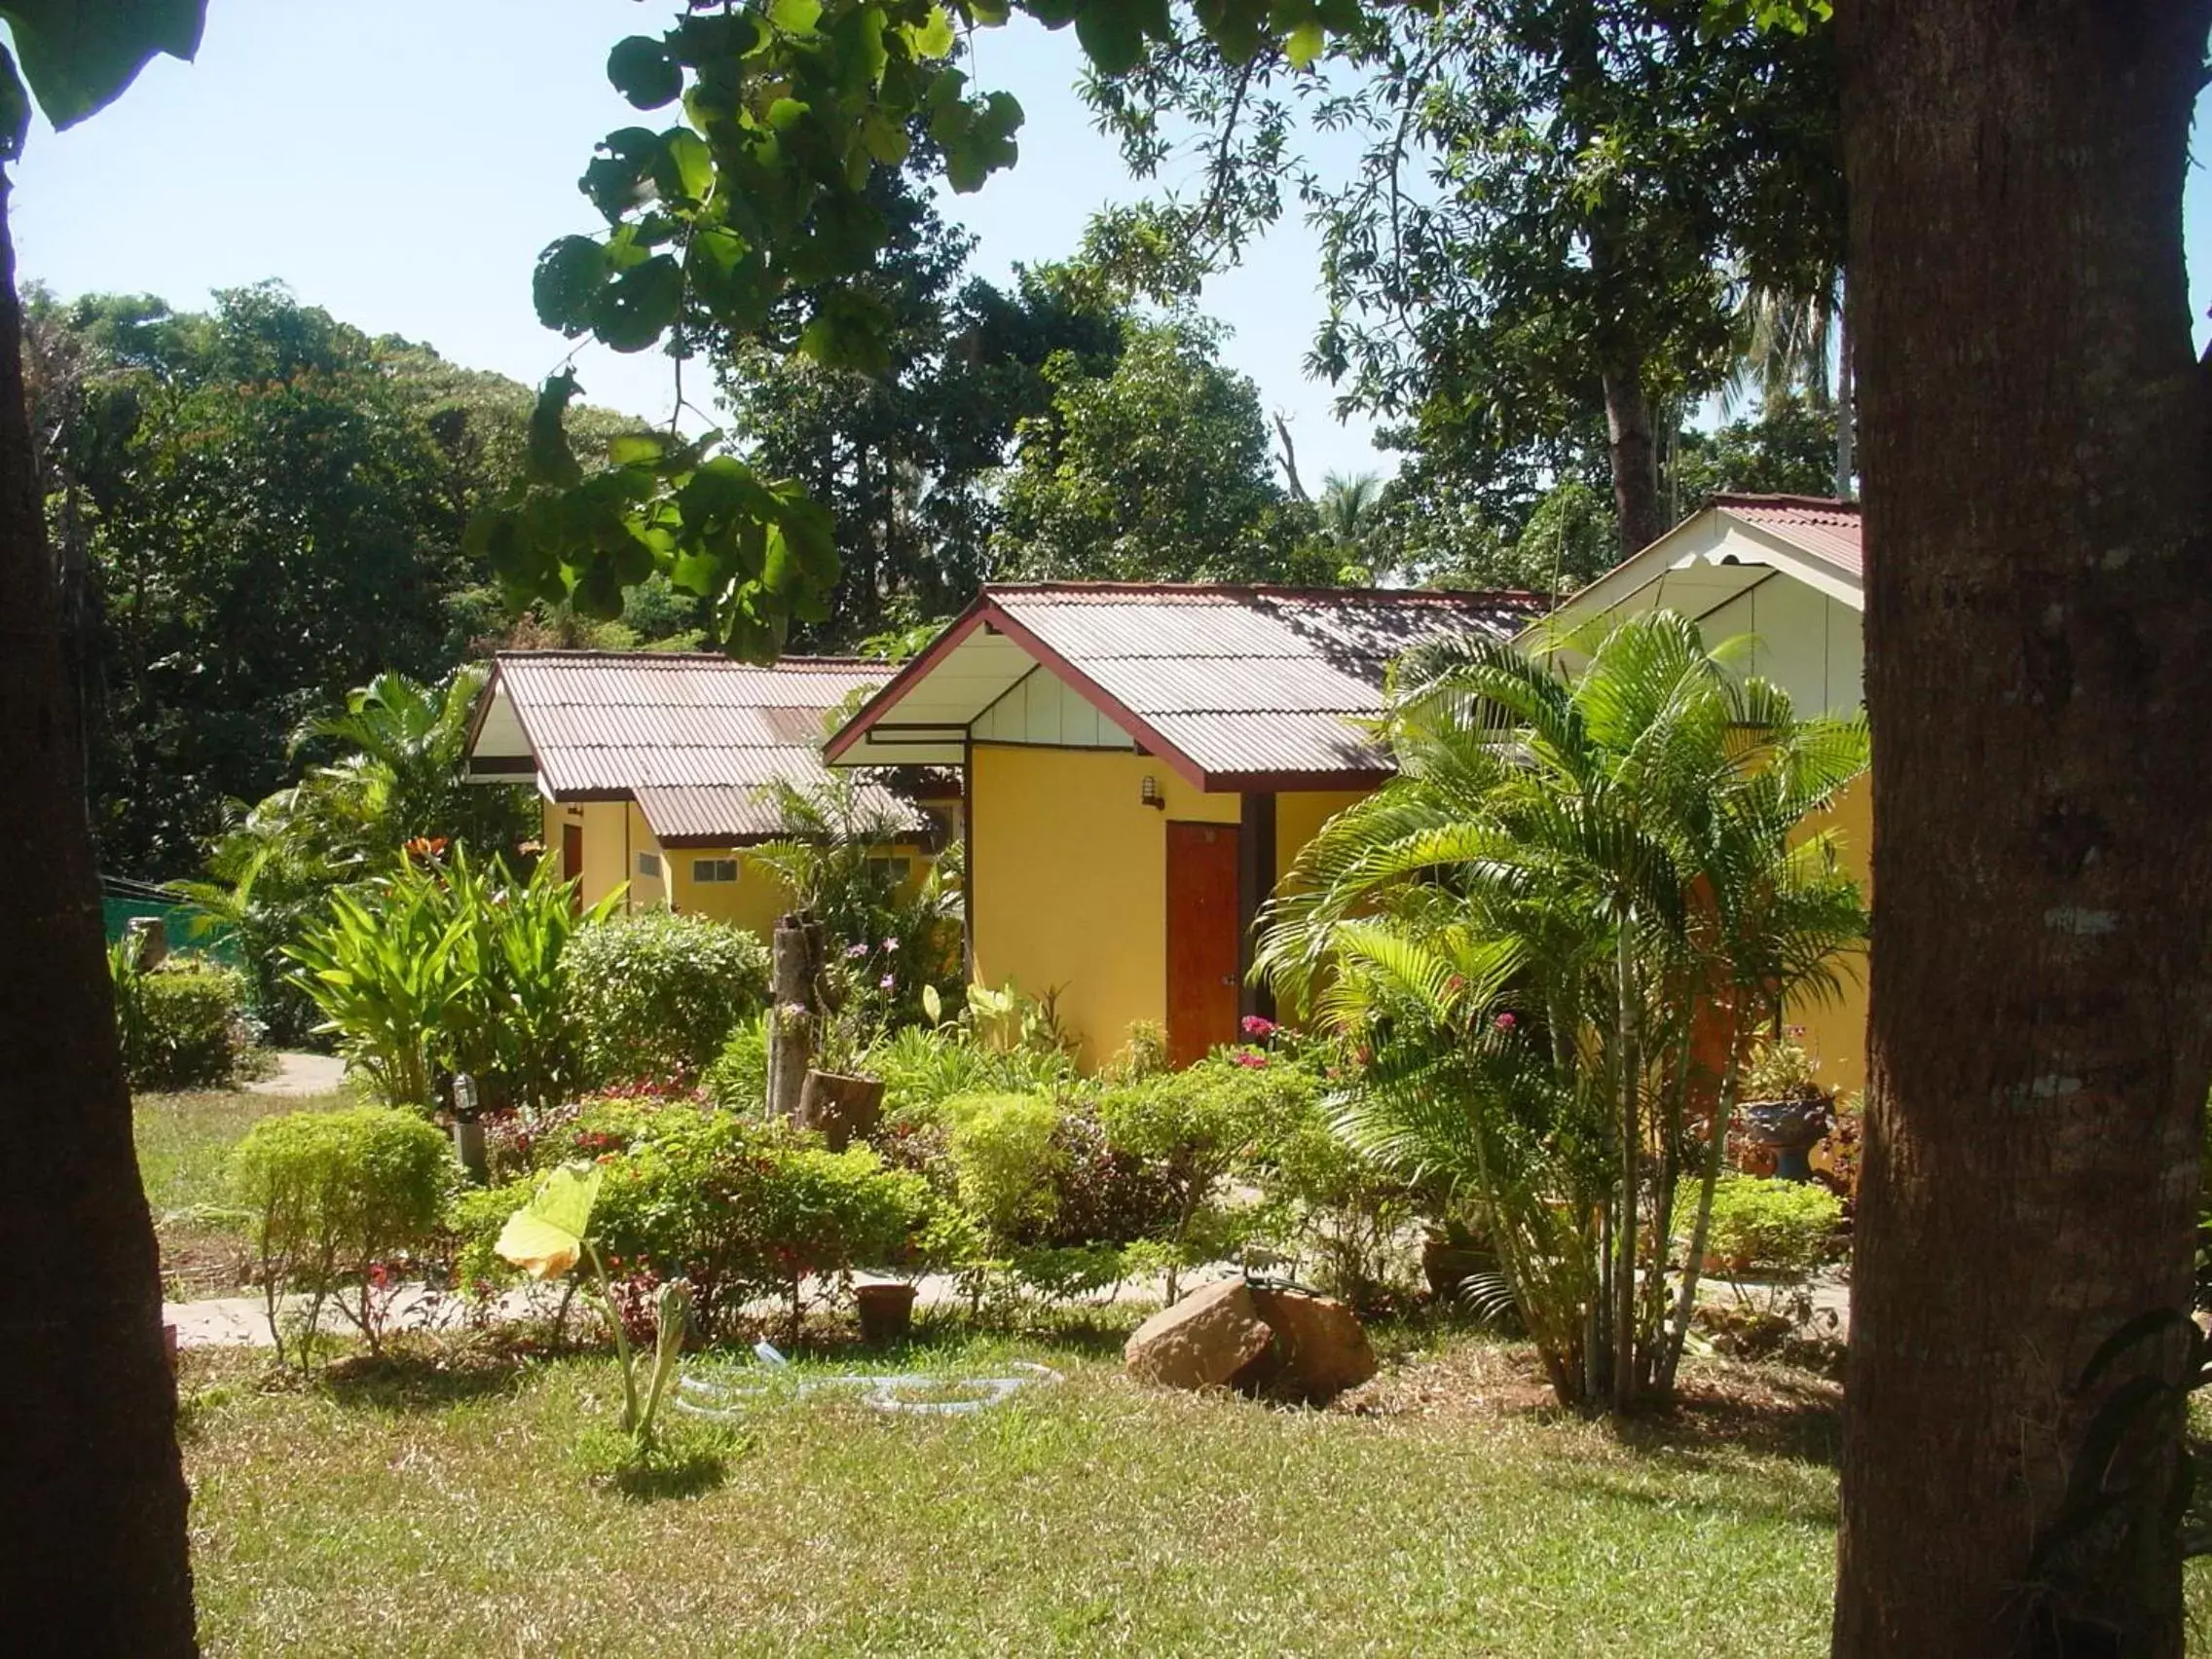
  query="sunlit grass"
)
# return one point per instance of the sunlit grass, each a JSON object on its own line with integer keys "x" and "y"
{"x": 182, "y": 1141}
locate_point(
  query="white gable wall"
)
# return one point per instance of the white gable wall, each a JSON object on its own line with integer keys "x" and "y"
{"x": 1045, "y": 711}
{"x": 1805, "y": 641}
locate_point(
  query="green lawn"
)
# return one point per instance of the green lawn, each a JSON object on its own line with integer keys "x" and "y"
{"x": 182, "y": 1142}
{"x": 421, "y": 1510}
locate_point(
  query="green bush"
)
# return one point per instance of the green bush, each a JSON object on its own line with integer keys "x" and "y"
{"x": 181, "y": 1025}
{"x": 738, "y": 1079}
{"x": 656, "y": 994}
{"x": 1335, "y": 1206}
{"x": 1773, "y": 1226}
{"x": 1003, "y": 1155}
{"x": 1195, "y": 1127}
{"x": 923, "y": 1066}
{"x": 338, "y": 1204}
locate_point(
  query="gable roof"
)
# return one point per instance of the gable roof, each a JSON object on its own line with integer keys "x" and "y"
{"x": 1234, "y": 688}
{"x": 693, "y": 739}
{"x": 1728, "y": 546}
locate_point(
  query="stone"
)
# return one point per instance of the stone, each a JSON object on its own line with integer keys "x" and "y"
{"x": 1202, "y": 1342}
{"x": 1319, "y": 1348}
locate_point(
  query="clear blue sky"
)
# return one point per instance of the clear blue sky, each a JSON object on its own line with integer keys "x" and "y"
{"x": 402, "y": 163}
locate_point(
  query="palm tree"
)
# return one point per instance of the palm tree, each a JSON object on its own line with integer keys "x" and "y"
{"x": 1530, "y": 930}
{"x": 1347, "y": 507}
{"x": 1783, "y": 339}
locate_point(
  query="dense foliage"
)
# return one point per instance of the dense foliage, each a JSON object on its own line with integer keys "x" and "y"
{"x": 654, "y": 995}
{"x": 182, "y": 1024}
{"x": 1530, "y": 935}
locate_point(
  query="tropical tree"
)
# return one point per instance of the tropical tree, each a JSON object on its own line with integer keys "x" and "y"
{"x": 1557, "y": 933}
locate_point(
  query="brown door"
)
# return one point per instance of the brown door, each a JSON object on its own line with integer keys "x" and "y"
{"x": 1201, "y": 938}
{"x": 572, "y": 853}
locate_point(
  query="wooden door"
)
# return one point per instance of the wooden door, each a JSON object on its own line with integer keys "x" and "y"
{"x": 572, "y": 854}
{"x": 1201, "y": 938}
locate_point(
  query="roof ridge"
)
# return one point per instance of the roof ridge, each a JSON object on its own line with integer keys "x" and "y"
{"x": 1283, "y": 590}
{"x": 629, "y": 658}
{"x": 1756, "y": 499}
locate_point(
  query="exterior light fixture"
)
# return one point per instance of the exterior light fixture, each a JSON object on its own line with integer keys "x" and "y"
{"x": 1149, "y": 795}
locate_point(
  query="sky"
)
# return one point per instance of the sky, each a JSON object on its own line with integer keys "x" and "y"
{"x": 401, "y": 164}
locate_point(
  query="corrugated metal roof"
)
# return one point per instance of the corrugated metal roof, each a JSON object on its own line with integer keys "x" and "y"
{"x": 1252, "y": 682}
{"x": 1823, "y": 527}
{"x": 692, "y": 739}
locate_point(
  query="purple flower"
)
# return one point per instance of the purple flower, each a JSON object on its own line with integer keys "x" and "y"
{"x": 889, "y": 982}
{"x": 891, "y": 944}
{"x": 854, "y": 952}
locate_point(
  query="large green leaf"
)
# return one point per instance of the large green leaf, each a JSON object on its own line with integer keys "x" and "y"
{"x": 79, "y": 55}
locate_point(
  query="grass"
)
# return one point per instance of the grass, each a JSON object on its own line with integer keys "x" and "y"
{"x": 434, "y": 1507}
{"x": 182, "y": 1141}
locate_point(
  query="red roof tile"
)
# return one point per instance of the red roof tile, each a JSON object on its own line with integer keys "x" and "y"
{"x": 1820, "y": 524}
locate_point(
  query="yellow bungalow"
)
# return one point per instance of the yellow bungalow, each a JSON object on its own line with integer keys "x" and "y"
{"x": 1786, "y": 571}
{"x": 654, "y": 768}
{"x": 1142, "y": 764}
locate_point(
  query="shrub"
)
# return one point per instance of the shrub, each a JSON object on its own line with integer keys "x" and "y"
{"x": 1335, "y": 1206}
{"x": 1101, "y": 1196}
{"x": 655, "y": 995}
{"x": 181, "y": 1025}
{"x": 1003, "y": 1156}
{"x": 1773, "y": 1226}
{"x": 923, "y": 1066}
{"x": 828, "y": 1212}
{"x": 1195, "y": 1127}
{"x": 738, "y": 1079}
{"x": 337, "y": 1202}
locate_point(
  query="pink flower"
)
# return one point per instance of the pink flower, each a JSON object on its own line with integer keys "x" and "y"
{"x": 891, "y": 944}
{"x": 1246, "y": 1057}
{"x": 1506, "y": 1021}
{"x": 1257, "y": 1028}
{"x": 889, "y": 982}
{"x": 854, "y": 952}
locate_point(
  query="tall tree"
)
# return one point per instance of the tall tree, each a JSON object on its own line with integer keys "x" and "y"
{"x": 2036, "y": 440}
{"x": 1158, "y": 470}
{"x": 93, "y": 1497}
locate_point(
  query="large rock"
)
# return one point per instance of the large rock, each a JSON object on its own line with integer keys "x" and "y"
{"x": 1202, "y": 1342}
{"x": 1319, "y": 1349}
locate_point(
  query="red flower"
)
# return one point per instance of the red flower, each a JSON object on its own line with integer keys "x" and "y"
{"x": 1246, "y": 1057}
{"x": 1257, "y": 1028}
{"x": 1506, "y": 1021}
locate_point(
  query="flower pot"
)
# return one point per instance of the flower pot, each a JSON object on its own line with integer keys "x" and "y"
{"x": 886, "y": 1310}
{"x": 839, "y": 1106}
{"x": 1792, "y": 1129}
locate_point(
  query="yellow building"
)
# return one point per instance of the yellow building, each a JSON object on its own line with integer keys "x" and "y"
{"x": 656, "y": 769}
{"x": 1786, "y": 570}
{"x": 1142, "y": 764}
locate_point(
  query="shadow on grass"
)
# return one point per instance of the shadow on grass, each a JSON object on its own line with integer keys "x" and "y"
{"x": 1733, "y": 1503}
{"x": 675, "y": 1475}
{"x": 419, "y": 1378}
{"x": 1777, "y": 1416}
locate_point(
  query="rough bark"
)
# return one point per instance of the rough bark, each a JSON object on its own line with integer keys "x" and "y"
{"x": 1633, "y": 450}
{"x": 92, "y": 1489}
{"x": 2034, "y": 445}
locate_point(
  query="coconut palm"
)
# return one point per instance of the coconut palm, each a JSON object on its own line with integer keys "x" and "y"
{"x": 1540, "y": 930}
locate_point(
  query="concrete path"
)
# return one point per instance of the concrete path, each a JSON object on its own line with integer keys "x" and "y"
{"x": 302, "y": 1074}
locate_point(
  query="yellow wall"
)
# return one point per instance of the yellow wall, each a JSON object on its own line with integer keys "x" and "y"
{"x": 606, "y": 861}
{"x": 1835, "y": 1032}
{"x": 1068, "y": 881}
{"x": 1068, "y": 878}
{"x": 752, "y": 902}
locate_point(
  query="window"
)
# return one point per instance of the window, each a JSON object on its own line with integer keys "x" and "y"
{"x": 900, "y": 870}
{"x": 713, "y": 870}
{"x": 649, "y": 865}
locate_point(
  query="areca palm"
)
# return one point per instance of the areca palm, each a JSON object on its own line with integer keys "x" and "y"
{"x": 1530, "y": 928}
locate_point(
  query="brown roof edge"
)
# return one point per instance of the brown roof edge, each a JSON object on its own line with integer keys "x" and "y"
{"x": 1274, "y": 590}
{"x": 797, "y": 664}
{"x": 1295, "y": 783}
{"x": 1750, "y": 498}
{"x": 984, "y": 611}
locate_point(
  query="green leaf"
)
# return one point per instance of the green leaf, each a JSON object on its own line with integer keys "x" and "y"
{"x": 637, "y": 449}
{"x": 1305, "y": 44}
{"x": 794, "y": 17}
{"x": 568, "y": 276}
{"x": 643, "y": 72}
{"x": 14, "y": 109}
{"x": 548, "y": 457}
{"x": 545, "y": 1237}
{"x": 639, "y": 305}
{"x": 687, "y": 171}
{"x": 1112, "y": 36}
{"x": 78, "y": 58}
{"x": 932, "y": 39}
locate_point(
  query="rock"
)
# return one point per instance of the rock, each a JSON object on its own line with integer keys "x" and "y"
{"x": 1202, "y": 1342}
{"x": 1319, "y": 1349}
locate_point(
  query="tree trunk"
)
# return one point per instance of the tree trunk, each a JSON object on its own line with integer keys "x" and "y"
{"x": 2034, "y": 443}
{"x": 1634, "y": 454}
{"x": 92, "y": 1490}
{"x": 1846, "y": 400}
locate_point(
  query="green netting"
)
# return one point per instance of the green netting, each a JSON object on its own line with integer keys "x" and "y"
{"x": 183, "y": 920}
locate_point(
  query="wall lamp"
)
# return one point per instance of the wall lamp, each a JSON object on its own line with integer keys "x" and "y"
{"x": 1149, "y": 795}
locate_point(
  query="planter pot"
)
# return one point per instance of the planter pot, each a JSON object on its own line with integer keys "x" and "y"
{"x": 1792, "y": 1129}
{"x": 469, "y": 1149}
{"x": 886, "y": 1310}
{"x": 841, "y": 1107}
